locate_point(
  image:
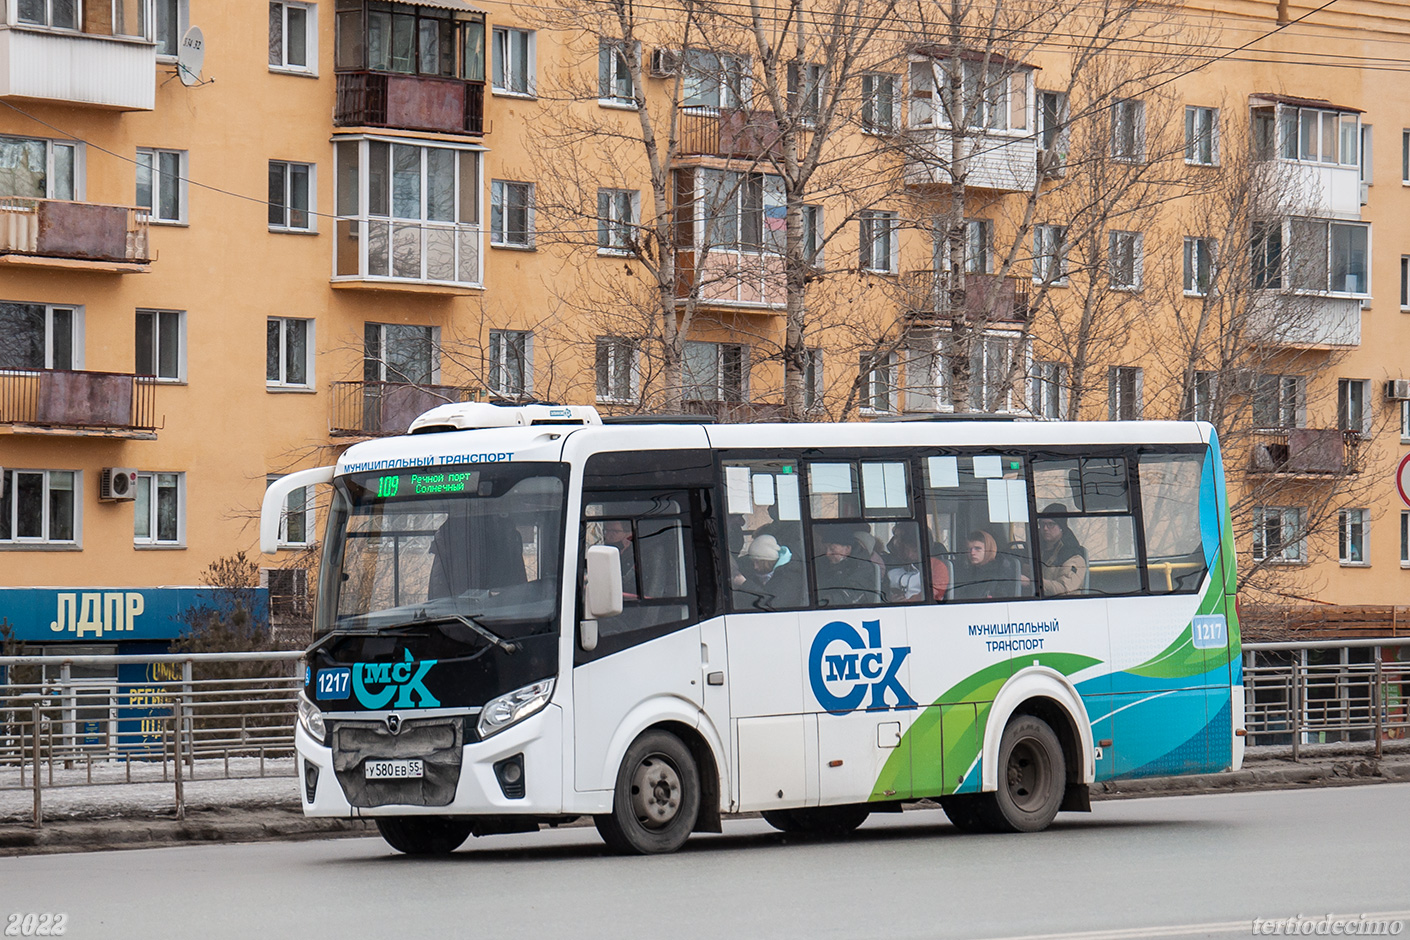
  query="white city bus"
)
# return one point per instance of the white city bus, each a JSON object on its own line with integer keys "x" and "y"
{"x": 527, "y": 615}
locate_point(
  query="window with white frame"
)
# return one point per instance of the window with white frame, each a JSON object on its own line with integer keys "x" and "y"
{"x": 1050, "y": 254}
{"x": 161, "y": 344}
{"x": 1404, "y": 283}
{"x": 511, "y": 372}
{"x": 1125, "y": 393}
{"x": 1049, "y": 390}
{"x": 170, "y": 20}
{"x": 878, "y": 242}
{"x": 1052, "y": 122}
{"x": 513, "y": 71}
{"x": 1125, "y": 260}
{"x": 1351, "y": 541}
{"x": 158, "y": 512}
{"x": 1278, "y": 534}
{"x": 1329, "y": 257}
{"x": 711, "y": 80}
{"x": 1199, "y": 404}
{"x": 741, "y": 211}
{"x": 43, "y": 169}
{"x": 401, "y": 353}
{"x": 1405, "y": 157}
{"x": 1405, "y": 421}
{"x": 1321, "y": 136}
{"x": 161, "y": 184}
{"x": 288, "y": 353}
{"x": 878, "y": 102}
{"x": 616, "y": 369}
{"x": 38, "y": 507}
{"x": 806, "y": 86}
{"x": 978, "y": 239}
{"x": 1354, "y": 405}
{"x": 1367, "y": 149}
{"x": 40, "y": 336}
{"x": 57, "y": 14}
{"x": 716, "y": 372}
{"x": 813, "y": 379}
{"x": 616, "y": 220}
{"x": 1266, "y": 255}
{"x": 293, "y": 37}
{"x": 1405, "y": 538}
{"x": 1279, "y": 402}
{"x": 296, "y": 520}
{"x": 614, "y": 75}
{"x": 1199, "y": 265}
{"x": 1201, "y": 135}
{"x": 992, "y": 95}
{"x": 1128, "y": 129}
{"x": 878, "y": 383}
{"x": 291, "y": 190}
{"x": 511, "y": 214}
{"x": 813, "y": 235}
{"x": 994, "y": 359}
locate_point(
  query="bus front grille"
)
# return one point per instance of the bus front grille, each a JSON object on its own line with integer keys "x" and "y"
{"x": 436, "y": 742}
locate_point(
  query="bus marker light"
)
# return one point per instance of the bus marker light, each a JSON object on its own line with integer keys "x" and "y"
{"x": 834, "y": 763}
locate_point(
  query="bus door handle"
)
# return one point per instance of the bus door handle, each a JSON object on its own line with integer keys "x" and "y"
{"x": 715, "y": 678}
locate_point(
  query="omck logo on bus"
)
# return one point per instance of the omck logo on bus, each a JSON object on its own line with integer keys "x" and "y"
{"x": 375, "y": 685}
{"x": 846, "y": 667}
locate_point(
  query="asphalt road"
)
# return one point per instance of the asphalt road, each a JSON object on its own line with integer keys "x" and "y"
{"x": 1160, "y": 867}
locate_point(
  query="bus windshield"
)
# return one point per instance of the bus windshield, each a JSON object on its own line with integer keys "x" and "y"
{"x": 441, "y": 543}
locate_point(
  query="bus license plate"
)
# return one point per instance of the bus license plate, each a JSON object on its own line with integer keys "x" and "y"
{"x": 393, "y": 769}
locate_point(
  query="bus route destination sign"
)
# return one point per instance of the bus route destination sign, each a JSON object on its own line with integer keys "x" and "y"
{"x": 420, "y": 484}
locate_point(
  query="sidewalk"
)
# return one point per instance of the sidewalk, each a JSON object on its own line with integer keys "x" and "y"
{"x": 253, "y": 809}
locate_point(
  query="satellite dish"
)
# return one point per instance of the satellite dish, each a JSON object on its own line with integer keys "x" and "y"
{"x": 191, "y": 56}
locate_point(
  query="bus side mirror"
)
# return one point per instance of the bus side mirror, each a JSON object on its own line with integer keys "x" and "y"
{"x": 602, "y": 595}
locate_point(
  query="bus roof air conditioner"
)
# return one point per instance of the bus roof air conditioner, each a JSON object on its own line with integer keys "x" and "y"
{"x": 474, "y": 416}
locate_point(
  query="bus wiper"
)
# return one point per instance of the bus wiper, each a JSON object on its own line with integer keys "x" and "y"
{"x": 485, "y": 633}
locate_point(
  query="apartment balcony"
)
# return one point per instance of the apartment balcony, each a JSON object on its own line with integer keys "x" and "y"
{"x": 376, "y": 409}
{"x": 1304, "y": 321}
{"x": 78, "y": 68}
{"x": 730, "y": 134}
{"x": 74, "y": 235}
{"x": 436, "y": 257}
{"x": 410, "y": 102}
{"x": 985, "y": 298}
{"x": 1005, "y": 162}
{"x": 733, "y": 279}
{"x": 1306, "y": 453}
{"x": 78, "y": 404}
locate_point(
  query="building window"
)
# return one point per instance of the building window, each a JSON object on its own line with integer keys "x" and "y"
{"x": 291, "y": 192}
{"x": 1125, "y": 393}
{"x": 288, "y": 353}
{"x": 1404, "y": 538}
{"x": 1201, "y": 135}
{"x": 978, "y": 241}
{"x": 813, "y": 380}
{"x": 513, "y": 61}
{"x": 1330, "y": 257}
{"x": 296, "y": 521}
{"x": 1278, "y": 534}
{"x": 511, "y": 214}
{"x": 1128, "y": 129}
{"x": 293, "y": 37}
{"x": 1351, "y": 542}
{"x": 42, "y": 169}
{"x": 59, "y": 14}
{"x": 442, "y": 40}
{"x": 616, "y": 369}
{"x": 878, "y": 102}
{"x": 1049, "y": 390}
{"x": 400, "y": 353}
{"x": 511, "y": 372}
{"x": 161, "y": 344}
{"x": 161, "y": 184}
{"x": 1266, "y": 255}
{"x": 614, "y": 75}
{"x": 807, "y": 83}
{"x": 40, "y": 336}
{"x": 1279, "y": 402}
{"x": 878, "y": 383}
{"x": 1125, "y": 260}
{"x": 1354, "y": 406}
{"x": 813, "y": 235}
{"x": 158, "y": 514}
{"x": 1199, "y": 265}
{"x": 1365, "y": 164}
{"x": 1405, "y": 421}
{"x": 616, "y": 220}
{"x": 713, "y": 81}
{"x": 1405, "y": 157}
{"x": 416, "y": 218}
{"x": 741, "y": 211}
{"x": 1199, "y": 405}
{"x": 1404, "y": 283}
{"x": 1052, "y": 119}
{"x": 1321, "y": 136}
{"x": 993, "y": 96}
{"x": 878, "y": 241}
{"x": 38, "y": 506}
{"x": 170, "y": 21}
{"x": 716, "y": 372}
{"x": 1050, "y": 254}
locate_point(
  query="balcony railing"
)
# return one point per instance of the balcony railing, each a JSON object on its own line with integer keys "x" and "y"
{"x": 1304, "y": 321}
{"x": 372, "y": 409}
{"x": 80, "y": 231}
{"x": 410, "y": 102}
{"x": 984, "y": 297}
{"x": 396, "y": 250}
{"x": 98, "y": 401}
{"x": 1306, "y": 452}
{"x": 730, "y": 133}
{"x": 117, "y": 72}
{"x": 994, "y": 160}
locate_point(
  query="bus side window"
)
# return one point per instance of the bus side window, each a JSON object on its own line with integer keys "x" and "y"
{"x": 650, "y": 535}
{"x": 866, "y": 544}
{"x": 1170, "y": 517}
{"x": 1084, "y": 511}
{"x": 976, "y": 507}
{"x": 764, "y": 544}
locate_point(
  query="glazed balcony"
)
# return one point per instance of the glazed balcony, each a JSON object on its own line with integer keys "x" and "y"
{"x": 86, "y": 66}
{"x": 733, "y": 279}
{"x": 376, "y": 409}
{"x": 410, "y": 102}
{"x": 82, "y": 235}
{"x": 78, "y": 404}
{"x": 1001, "y": 161}
{"x": 433, "y": 256}
{"x": 986, "y": 298}
{"x": 1304, "y": 320}
{"x": 1306, "y": 453}
{"x": 730, "y": 134}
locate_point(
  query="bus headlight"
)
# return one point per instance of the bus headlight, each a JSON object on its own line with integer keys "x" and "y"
{"x": 312, "y": 719}
{"x": 514, "y": 707}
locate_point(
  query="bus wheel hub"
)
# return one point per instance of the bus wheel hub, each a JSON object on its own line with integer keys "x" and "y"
{"x": 656, "y": 791}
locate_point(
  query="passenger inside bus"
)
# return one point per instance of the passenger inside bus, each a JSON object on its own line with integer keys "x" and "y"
{"x": 843, "y": 579}
{"x": 904, "y": 581}
{"x": 768, "y": 580}
{"x": 984, "y": 572}
{"x": 1063, "y": 559}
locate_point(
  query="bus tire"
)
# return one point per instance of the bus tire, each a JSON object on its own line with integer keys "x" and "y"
{"x": 782, "y": 819}
{"x": 1032, "y": 778}
{"x": 964, "y": 812}
{"x": 819, "y": 820}
{"x": 657, "y": 798}
{"x": 424, "y": 835}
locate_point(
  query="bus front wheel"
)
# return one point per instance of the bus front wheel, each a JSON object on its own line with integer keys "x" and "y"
{"x": 1032, "y": 778}
{"x": 423, "y": 835}
{"x": 657, "y": 798}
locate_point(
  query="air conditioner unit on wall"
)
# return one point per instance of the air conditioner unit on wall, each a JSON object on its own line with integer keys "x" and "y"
{"x": 116, "y": 483}
{"x": 665, "y": 63}
{"x": 1398, "y": 389}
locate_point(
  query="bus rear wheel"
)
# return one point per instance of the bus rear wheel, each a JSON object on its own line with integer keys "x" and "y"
{"x": 657, "y": 798}
{"x": 424, "y": 835}
{"x": 820, "y": 820}
{"x": 1032, "y": 778}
